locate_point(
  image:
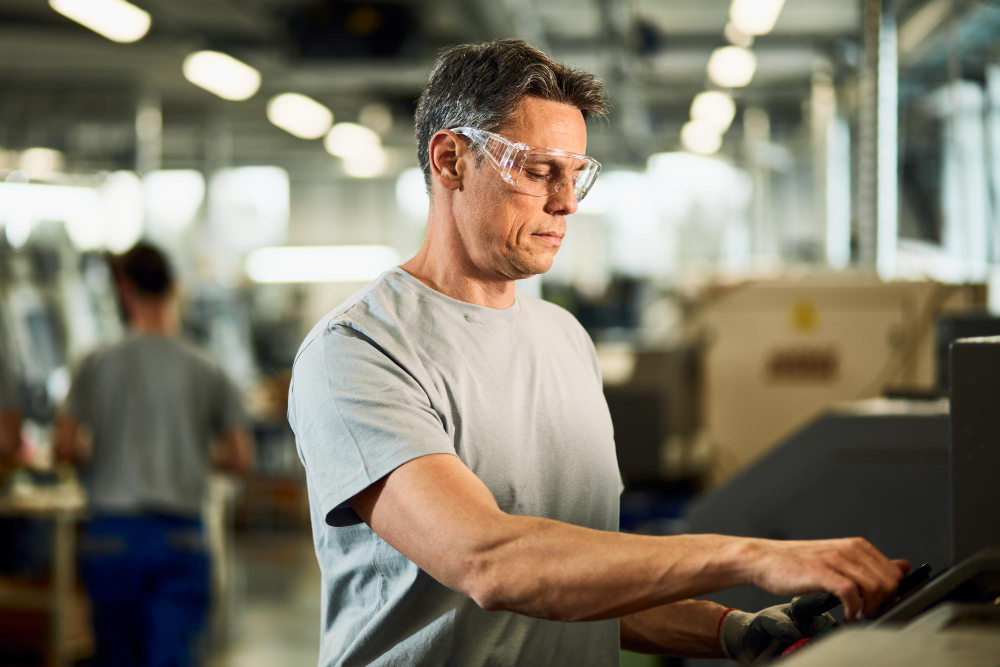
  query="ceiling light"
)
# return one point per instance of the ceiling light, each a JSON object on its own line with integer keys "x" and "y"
{"x": 117, "y": 20}
{"x": 715, "y": 108}
{"x": 755, "y": 17}
{"x": 367, "y": 164}
{"x": 347, "y": 139}
{"x": 737, "y": 36}
{"x": 299, "y": 115}
{"x": 732, "y": 66}
{"x": 40, "y": 162}
{"x": 700, "y": 138}
{"x": 221, "y": 74}
{"x": 319, "y": 264}
{"x": 377, "y": 116}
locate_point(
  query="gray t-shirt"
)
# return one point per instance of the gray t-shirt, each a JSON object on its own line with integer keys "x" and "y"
{"x": 153, "y": 405}
{"x": 400, "y": 371}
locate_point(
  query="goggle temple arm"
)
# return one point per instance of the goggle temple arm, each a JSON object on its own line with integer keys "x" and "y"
{"x": 506, "y": 163}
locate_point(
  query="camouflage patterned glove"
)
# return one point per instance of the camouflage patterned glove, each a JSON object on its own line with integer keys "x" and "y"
{"x": 756, "y": 638}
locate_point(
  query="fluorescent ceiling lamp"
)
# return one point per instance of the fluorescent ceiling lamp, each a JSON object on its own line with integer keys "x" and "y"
{"x": 221, "y": 74}
{"x": 732, "y": 66}
{"x": 701, "y": 138}
{"x": 368, "y": 164}
{"x": 715, "y": 108}
{"x": 299, "y": 115}
{"x": 377, "y": 116}
{"x": 755, "y": 17}
{"x": 117, "y": 20}
{"x": 737, "y": 36}
{"x": 347, "y": 139}
{"x": 320, "y": 264}
{"x": 40, "y": 162}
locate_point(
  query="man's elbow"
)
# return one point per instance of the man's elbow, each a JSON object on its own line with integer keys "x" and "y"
{"x": 494, "y": 593}
{"x": 479, "y": 563}
{"x": 497, "y": 583}
{"x": 480, "y": 582}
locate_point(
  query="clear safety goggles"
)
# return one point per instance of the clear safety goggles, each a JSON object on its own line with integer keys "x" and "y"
{"x": 539, "y": 172}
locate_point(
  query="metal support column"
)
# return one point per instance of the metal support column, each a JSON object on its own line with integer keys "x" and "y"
{"x": 831, "y": 172}
{"x": 878, "y": 140}
{"x": 148, "y": 133}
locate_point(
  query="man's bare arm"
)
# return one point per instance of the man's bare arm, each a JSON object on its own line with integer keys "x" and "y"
{"x": 436, "y": 512}
{"x": 234, "y": 452}
{"x": 71, "y": 439}
{"x": 689, "y": 628}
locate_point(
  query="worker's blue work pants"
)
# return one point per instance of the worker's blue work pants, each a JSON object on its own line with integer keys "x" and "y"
{"x": 148, "y": 580}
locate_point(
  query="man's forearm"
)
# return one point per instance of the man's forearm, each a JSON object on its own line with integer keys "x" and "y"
{"x": 442, "y": 517}
{"x": 555, "y": 570}
{"x": 689, "y": 628}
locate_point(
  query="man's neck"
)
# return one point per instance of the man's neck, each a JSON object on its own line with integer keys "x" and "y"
{"x": 443, "y": 265}
{"x": 155, "y": 319}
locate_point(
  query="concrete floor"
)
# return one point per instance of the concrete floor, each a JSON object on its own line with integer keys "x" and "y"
{"x": 274, "y": 606}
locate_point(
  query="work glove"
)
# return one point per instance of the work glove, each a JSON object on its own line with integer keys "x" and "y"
{"x": 756, "y": 638}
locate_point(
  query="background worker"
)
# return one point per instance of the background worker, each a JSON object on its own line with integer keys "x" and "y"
{"x": 141, "y": 419}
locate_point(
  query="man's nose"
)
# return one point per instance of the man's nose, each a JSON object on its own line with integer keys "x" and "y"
{"x": 563, "y": 202}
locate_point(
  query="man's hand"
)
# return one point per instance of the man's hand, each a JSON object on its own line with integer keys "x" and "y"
{"x": 72, "y": 440}
{"x": 852, "y": 569}
{"x": 754, "y": 638}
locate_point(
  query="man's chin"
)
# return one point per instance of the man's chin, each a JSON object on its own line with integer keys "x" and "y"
{"x": 534, "y": 266}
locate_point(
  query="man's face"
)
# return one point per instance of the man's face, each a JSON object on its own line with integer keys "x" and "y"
{"x": 504, "y": 231}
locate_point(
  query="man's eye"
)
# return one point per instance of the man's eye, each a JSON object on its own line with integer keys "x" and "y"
{"x": 537, "y": 175}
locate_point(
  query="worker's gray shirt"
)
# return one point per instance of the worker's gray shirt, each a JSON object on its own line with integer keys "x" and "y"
{"x": 400, "y": 371}
{"x": 154, "y": 405}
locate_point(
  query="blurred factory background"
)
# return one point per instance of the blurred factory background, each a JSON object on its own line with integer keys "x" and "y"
{"x": 799, "y": 209}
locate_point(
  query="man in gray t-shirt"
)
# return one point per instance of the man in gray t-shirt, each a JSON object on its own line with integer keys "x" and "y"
{"x": 457, "y": 446}
{"x": 141, "y": 420}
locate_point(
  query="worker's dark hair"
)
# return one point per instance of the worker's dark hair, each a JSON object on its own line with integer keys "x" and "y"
{"x": 480, "y": 85}
{"x": 147, "y": 269}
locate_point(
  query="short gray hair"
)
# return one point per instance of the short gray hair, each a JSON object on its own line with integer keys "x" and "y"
{"x": 479, "y": 85}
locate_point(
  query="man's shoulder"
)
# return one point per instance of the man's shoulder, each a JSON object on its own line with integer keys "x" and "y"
{"x": 373, "y": 310}
{"x": 551, "y": 314}
{"x": 166, "y": 349}
{"x": 556, "y": 321}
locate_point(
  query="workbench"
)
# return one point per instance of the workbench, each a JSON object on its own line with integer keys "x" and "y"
{"x": 63, "y": 506}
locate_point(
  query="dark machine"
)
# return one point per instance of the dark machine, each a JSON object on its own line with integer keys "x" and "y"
{"x": 916, "y": 478}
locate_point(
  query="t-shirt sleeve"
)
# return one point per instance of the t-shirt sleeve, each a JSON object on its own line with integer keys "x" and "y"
{"x": 357, "y": 416}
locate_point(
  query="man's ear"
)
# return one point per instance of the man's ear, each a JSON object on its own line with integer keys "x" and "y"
{"x": 445, "y": 152}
